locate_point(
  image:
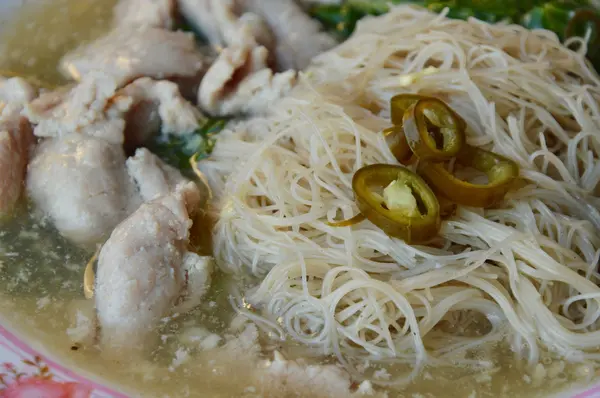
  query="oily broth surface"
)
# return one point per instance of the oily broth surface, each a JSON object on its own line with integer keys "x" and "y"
{"x": 34, "y": 40}
{"x": 41, "y": 273}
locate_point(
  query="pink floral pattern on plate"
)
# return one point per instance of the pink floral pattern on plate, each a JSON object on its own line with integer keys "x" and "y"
{"x": 15, "y": 384}
{"x": 25, "y": 373}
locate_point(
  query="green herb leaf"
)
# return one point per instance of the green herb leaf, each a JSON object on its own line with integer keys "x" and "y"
{"x": 178, "y": 149}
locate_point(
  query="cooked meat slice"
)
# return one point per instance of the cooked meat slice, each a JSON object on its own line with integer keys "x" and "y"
{"x": 86, "y": 109}
{"x": 15, "y": 91}
{"x": 153, "y": 13}
{"x": 128, "y": 53}
{"x": 176, "y": 114}
{"x": 86, "y": 187}
{"x": 198, "y": 13}
{"x": 154, "y": 178}
{"x": 197, "y": 273}
{"x": 251, "y": 26}
{"x": 220, "y": 21}
{"x": 16, "y": 140}
{"x": 141, "y": 273}
{"x": 157, "y": 106}
{"x": 239, "y": 82}
{"x": 96, "y": 108}
{"x": 81, "y": 183}
{"x": 299, "y": 37}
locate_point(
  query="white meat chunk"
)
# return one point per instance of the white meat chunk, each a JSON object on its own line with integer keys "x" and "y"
{"x": 15, "y": 91}
{"x": 96, "y": 108}
{"x": 81, "y": 184}
{"x": 147, "y": 13}
{"x": 85, "y": 109}
{"x": 16, "y": 140}
{"x": 177, "y": 115}
{"x": 223, "y": 24}
{"x": 143, "y": 270}
{"x": 153, "y": 177}
{"x": 296, "y": 375}
{"x": 128, "y": 53}
{"x": 240, "y": 82}
{"x": 299, "y": 38}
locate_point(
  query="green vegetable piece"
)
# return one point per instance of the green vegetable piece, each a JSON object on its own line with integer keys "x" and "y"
{"x": 178, "y": 149}
{"x": 414, "y": 226}
{"x": 433, "y": 131}
{"x": 339, "y": 19}
{"x": 501, "y": 173}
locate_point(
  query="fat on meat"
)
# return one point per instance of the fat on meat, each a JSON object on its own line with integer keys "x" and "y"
{"x": 299, "y": 38}
{"x": 145, "y": 271}
{"x": 148, "y": 13}
{"x": 240, "y": 82}
{"x": 16, "y": 140}
{"x": 127, "y": 53}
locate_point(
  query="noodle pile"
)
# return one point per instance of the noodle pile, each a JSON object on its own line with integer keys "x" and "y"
{"x": 524, "y": 272}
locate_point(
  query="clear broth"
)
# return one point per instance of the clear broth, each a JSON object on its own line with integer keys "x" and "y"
{"x": 41, "y": 273}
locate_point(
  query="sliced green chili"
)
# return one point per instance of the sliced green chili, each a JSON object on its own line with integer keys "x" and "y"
{"x": 396, "y": 140}
{"x": 398, "y": 201}
{"x": 401, "y": 103}
{"x": 501, "y": 173}
{"x": 433, "y": 131}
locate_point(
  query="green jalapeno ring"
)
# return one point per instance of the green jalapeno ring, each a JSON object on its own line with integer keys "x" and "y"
{"x": 394, "y": 137}
{"x": 428, "y": 121}
{"x": 412, "y": 228}
{"x": 501, "y": 173}
{"x": 400, "y": 104}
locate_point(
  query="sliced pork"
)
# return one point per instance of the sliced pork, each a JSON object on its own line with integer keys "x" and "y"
{"x": 177, "y": 115}
{"x": 147, "y": 13}
{"x": 299, "y": 38}
{"x": 223, "y": 24}
{"x": 96, "y": 108}
{"x": 240, "y": 82}
{"x": 16, "y": 140}
{"x": 131, "y": 52}
{"x": 80, "y": 182}
{"x": 15, "y": 92}
{"x": 85, "y": 108}
{"x": 143, "y": 270}
{"x": 86, "y": 186}
{"x": 154, "y": 178}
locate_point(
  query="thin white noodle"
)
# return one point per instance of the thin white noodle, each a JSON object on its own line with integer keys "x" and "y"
{"x": 527, "y": 268}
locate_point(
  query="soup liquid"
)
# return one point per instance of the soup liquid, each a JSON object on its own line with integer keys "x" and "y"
{"x": 41, "y": 274}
